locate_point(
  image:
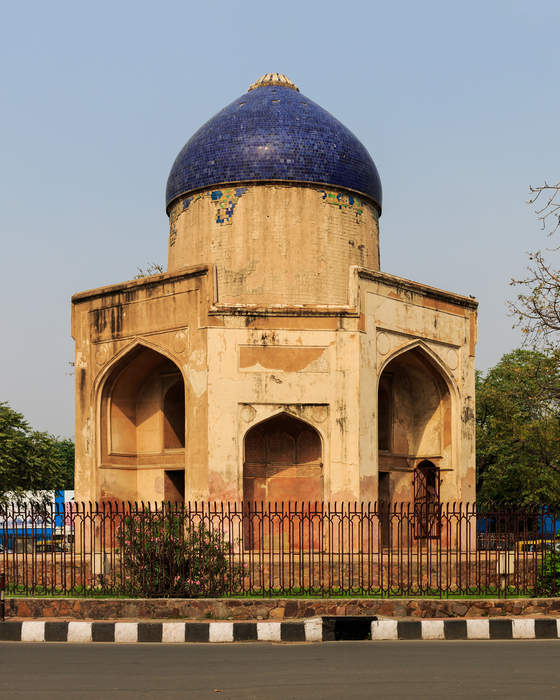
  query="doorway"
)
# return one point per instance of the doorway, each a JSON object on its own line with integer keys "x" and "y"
{"x": 282, "y": 472}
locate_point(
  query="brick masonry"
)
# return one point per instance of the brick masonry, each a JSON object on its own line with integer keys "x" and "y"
{"x": 274, "y": 608}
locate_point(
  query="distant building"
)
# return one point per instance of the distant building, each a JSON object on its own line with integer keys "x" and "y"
{"x": 36, "y": 521}
{"x": 274, "y": 360}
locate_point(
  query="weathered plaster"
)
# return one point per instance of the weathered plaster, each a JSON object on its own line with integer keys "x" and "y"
{"x": 283, "y": 312}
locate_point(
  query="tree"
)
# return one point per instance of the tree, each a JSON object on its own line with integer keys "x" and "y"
{"x": 151, "y": 268}
{"x": 63, "y": 450}
{"x": 548, "y": 206}
{"x": 537, "y": 307}
{"x": 31, "y": 460}
{"x": 518, "y": 429}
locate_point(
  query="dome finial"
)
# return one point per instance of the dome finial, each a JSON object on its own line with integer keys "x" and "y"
{"x": 273, "y": 79}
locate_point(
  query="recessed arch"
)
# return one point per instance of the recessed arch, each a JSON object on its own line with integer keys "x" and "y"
{"x": 430, "y": 356}
{"x": 142, "y": 410}
{"x": 282, "y": 460}
{"x": 416, "y": 395}
{"x": 106, "y": 371}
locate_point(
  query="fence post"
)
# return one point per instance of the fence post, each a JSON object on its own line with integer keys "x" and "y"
{"x": 2, "y": 594}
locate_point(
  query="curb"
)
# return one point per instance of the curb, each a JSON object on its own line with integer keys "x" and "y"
{"x": 311, "y": 630}
{"x": 474, "y": 628}
{"x": 167, "y": 632}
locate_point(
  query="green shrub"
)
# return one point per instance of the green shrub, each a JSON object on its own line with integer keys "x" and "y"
{"x": 548, "y": 575}
{"x": 162, "y": 556}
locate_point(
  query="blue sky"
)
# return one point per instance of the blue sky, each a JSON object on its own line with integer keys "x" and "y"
{"x": 457, "y": 103}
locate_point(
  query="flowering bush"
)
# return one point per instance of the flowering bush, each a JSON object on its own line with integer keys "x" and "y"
{"x": 162, "y": 556}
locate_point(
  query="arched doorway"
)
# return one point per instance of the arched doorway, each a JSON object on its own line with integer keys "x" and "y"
{"x": 142, "y": 427}
{"x": 283, "y": 461}
{"x": 282, "y": 471}
{"x": 414, "y": 423}
{"x": 426, "y": 500}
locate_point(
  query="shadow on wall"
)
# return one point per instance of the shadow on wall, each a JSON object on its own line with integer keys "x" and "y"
{"x": 414, "y": 418}
{"x": 142, "y": 410}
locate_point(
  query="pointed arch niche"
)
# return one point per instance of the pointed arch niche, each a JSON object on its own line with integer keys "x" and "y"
{"x": 283, "y": 461}
{"x": 414, "y": 421}
{"x": 143, "y": 414}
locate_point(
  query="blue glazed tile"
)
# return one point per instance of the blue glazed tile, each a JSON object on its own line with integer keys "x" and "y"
{"x": 293, "y": 140}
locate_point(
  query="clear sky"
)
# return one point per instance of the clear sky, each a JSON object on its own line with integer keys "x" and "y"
{"x": 458, "y": 103}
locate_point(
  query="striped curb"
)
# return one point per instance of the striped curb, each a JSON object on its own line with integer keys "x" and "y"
{"x": 310, "y": 630}
{"x": 168, "y": 632}
{"x": 487, "y": 628}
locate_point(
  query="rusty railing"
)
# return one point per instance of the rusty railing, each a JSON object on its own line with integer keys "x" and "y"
{"x": 265, "y": 549}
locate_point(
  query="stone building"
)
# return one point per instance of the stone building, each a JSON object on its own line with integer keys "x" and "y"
{"x": 274, "y": 360}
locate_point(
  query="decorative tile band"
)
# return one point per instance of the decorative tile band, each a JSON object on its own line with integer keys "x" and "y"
{"x": 311, "y": 630}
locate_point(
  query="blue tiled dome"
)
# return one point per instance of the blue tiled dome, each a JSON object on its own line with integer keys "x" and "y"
{"x": 273, "y": 133}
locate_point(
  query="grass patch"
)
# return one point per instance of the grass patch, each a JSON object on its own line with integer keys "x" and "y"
{"x": 20, "y": 591}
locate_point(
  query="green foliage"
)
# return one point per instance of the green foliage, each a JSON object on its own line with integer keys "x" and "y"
{"x": 63, "y": 450}
{"x": 548, "y": 577}
{"x": 518, "y": 429}
{"x": 31, "y": 460}
{"x": 162, "y": 556}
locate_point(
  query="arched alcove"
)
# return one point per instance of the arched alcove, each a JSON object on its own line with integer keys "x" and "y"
{"x": 283, "y": 461}
{"x": 414, "y": 421}
{"x": 142, "y": 418}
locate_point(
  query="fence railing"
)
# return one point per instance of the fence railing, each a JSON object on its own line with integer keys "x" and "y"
{"x": 237, "y": 549}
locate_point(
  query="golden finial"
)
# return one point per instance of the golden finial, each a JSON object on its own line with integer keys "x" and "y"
{"x": 273, "y": 79}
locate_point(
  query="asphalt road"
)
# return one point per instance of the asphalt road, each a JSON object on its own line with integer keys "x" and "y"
{"x": 347, "y": 670}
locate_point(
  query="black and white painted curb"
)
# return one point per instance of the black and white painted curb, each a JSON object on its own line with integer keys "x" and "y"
{"x": 493, "y": 628}
{"x": 311, "y": 630}
{"x": 167, "y": 632}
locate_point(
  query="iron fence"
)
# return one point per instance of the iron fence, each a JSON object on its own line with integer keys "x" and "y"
{"x": 286, "y": 549}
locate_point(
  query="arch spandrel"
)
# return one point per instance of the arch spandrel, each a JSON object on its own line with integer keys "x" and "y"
{"x": 123, "y": 351}
{"x": 433, "y": 352}
{"x": 314, "y": 415}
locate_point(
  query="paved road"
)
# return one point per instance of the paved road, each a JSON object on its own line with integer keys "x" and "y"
{"x": 346, "y": 670}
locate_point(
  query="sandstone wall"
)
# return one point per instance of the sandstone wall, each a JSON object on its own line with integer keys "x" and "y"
{"x": 276, "y": 244}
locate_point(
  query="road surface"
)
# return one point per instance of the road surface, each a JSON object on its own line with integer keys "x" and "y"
{"x": 341, "y": 670}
